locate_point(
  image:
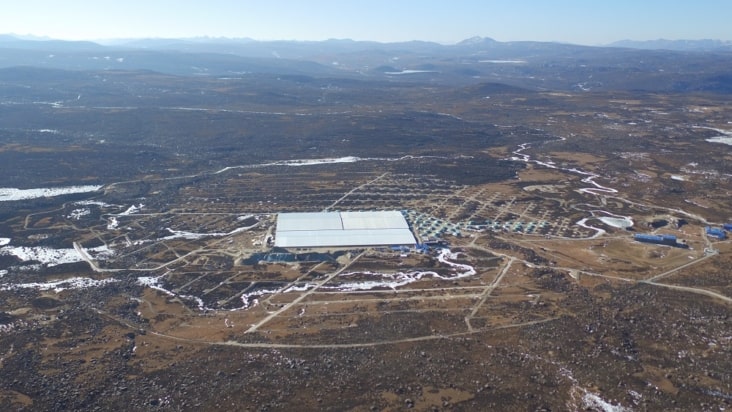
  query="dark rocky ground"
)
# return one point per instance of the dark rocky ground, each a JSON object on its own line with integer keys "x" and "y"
{"x": 642, "y": 347}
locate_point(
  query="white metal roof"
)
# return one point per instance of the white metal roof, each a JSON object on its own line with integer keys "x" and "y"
{"x": 309, "y": 221}
{"x": 342, "y": 229}
{"x": 373, "y": 220}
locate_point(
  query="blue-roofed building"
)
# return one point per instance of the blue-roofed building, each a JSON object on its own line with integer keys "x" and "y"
{"x": 669, "y": 240}
{"x": 716, "y": 233}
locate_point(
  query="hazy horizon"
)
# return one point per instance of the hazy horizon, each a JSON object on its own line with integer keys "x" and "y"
{"x": 564, "y": 21}
{"x": 122, "y": 40}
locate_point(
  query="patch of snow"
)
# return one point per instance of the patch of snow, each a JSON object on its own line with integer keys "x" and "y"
{"x": 300, "y": 288}
{"x": 618, "y": 222}
{"x": 93, "y": 203}
{"x": 3, "y": 272}
{"x": 724, "y": 138}
{"x": 598, "y": 232}
{"x": 679, "y": 178}
{"x": 449, "y": 115}
{"x": 410, "y": 72}
{"x": 4, "y": 241}
{"x": 131, "y": 210}
{"x": 722, "y": 131}
{"x": 180, "y": 234}
{"x": 695, "y": 203}
{"x": 704, "y": 172}
{"x": 297, "y": 162}
{"x": 149, "y": 281}
{"x": 8, "y": 327}
{"x": 311, "y": 162}
{"x": 10, "y": 194}
{"x": 399, "y": 279}
{"x": 590, "y": 401}
{"x": 594, "y": 402}
{"x": 720, "y": 139}
{"x": 77, "y": 214}
{"x": 100, "y": 252}
{"x": 45, "y": 255}
{"x": 250, "y": 302}
{"x": 113, "y": 223}
{"x": 52, "y": 257}
{"x": 61, "y": 285}
{"x": 610, "y": 219}
{"x": 503, "y": 61}
{"x": 390, "y": 280}
{"x": 153, "y": 282}
{"x": 636, "y": 396}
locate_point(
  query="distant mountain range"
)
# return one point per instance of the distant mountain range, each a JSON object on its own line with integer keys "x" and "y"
{"x": 652, "y": 66}
{"x": 681, "y": 45}
{"x": 658, "y": 44}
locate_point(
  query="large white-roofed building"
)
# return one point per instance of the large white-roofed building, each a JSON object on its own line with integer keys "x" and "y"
{"x": 342, "y": 229}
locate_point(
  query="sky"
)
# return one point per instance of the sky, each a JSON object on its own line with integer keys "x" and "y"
{"x": 590, "y": 22}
